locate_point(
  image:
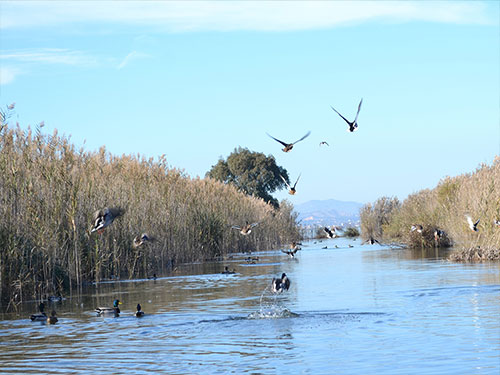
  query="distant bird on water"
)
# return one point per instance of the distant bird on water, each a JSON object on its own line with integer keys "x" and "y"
{"x": 109, "y": 310}
{"x": 289, "y": 146}
{"x": 140, "y": 240}
{"x": 52, "y": 319}
{"x": 280, "y": 284}
{"x": 139, "y": 311}
{"x": 246, "y": 229}
{"x": 104, "y": 218}
{"x": 41, "y": 316}
{"x": 291, "y": 189}
{"x": 354, "y": 124}
{"x": 472, "y": 225}
{"x": 227, "y": 271}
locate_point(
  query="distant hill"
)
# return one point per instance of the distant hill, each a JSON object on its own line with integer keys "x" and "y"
{"x": 328, "y": 212}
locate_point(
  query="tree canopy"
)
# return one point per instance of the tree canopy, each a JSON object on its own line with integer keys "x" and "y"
{"x": 252, "y": 172}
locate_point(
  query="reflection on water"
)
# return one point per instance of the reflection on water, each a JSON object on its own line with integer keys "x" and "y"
{"x": 365, "y": 309}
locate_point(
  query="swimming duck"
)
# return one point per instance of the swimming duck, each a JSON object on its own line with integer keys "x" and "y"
{"x": 40, "y": 316}
{"x": 109, "y": 310}
{"x": 289, "y": 146}
{"x": 154, "y": 277}
{"x": 104, "y": 217}
{"x": 246, "y": 229}
{"x": 251, "y": 260}
{"x": 350, "y": 245}
{"x": 354, "y": 124}
{"x": 291, "y": 189}
{"x": 416, "y": 227}
{"x": 330, "y": 232}
{"x": 139, "y": 311}
{"x": 472, "y": 225}
{"x": 370, "y": 240}
{"x": 52, "y": 319}
{"x": 227, "y": 271}
{"x": 280, "y": 284}
{"x": 140, "y": 240}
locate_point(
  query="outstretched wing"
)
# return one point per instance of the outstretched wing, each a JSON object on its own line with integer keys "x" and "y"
{"x": 277, "y": 140}
{"x": 236, "y": 227}
{"x": 359, "y": 108}
{"x": 304, "y": 137}
{"x": 297, "y": 181}
{"x": 346, "y": 120}
{"x": 286, "y": 183}
{"x": 469, "y": 221}
{"x": 254, "y": 224}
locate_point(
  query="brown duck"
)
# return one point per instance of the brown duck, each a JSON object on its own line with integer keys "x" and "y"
{"x": 289, "y": 146}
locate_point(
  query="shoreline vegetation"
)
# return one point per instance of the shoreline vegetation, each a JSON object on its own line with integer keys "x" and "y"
{"x": 438, "y": 217}
{"x": 49, "y": 192}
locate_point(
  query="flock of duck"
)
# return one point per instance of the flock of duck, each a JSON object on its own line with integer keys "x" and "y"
{"x": 105, "y": 217}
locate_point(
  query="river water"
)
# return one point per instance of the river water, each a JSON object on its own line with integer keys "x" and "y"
{"x": 350, "y": 310}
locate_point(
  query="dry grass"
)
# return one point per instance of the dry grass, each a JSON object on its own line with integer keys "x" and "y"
{"x": 49, "y": 192}
{"x": 445, "y": 208}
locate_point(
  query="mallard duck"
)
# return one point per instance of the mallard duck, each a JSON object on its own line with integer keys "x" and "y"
{"x": 472, "y": 225}
{"x": 291, "y": 189}
{"x": 280, "y": 284}
{"x": 354, "y": 124}
{"x": 104, "y": 217}
{"x": 251, "y": 260}
{"x": 496, "y": 222}
{"x": 289, "y": 146}
{"x": 246, "y": 229}
{"x": 41, "y": 316}
{"x": 330, "y": 232}
{"x": 140, "y": 240}
{"x": 416, "y": 227}
{"x": 370, "y": 240}
{"x": 109, "y": 310}
{"x": 227, "y": 271}
{"x": 139, "y": 311}
{"x": 294, "y": 247}
{"x": 438, "y": 233}
{"x": 52, "y": 319}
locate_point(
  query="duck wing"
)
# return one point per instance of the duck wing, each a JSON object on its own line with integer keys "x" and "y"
{"x": 277, "y": 140}
{"x": 346, "y": 120}
{"x": 359, "y": 108}
{"x": 296, "y": 181}
{"x": 286, "y": 183}
{"x": 304, "y": 137}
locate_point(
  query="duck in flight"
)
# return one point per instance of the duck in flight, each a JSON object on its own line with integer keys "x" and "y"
{"x": 330, "y": 233}
{"x": 293, "y": 250}
{"x": 246, "y": 229}
{"x": 354, "y": 124}
{"x": 324, "y": 143}
{"x": 416, "y": 227}
{"x": 289, "y": 146}
{"x": 291, "y": 189}
{"x": 280, "y": 284}
{"x": 140, "y": 240}
{"x": 472, "y": 225}
{"x": 371, "y": 241}
{"x": 105, "y": 217}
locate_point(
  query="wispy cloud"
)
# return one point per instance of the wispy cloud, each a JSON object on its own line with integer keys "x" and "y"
{"x": 178, "y": 16}
{"x": 8, "y": 74}
{"x": 131, "y": 56}
{"x": 50, "y": 56}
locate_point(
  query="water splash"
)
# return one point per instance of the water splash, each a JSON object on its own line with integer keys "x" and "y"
{"x": 271, "y": 307}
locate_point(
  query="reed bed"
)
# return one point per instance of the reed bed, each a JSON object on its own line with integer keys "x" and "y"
{"x": 445, "y": 208}
{"x": 49, "y": 192}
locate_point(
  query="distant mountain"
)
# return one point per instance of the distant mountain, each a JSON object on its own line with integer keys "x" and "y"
{"x": 328, "y": 212}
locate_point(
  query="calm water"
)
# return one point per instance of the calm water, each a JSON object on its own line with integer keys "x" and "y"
{"x": 360, "y": 310}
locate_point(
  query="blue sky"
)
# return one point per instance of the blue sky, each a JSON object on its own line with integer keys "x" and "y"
{"x": 193, "y": 80}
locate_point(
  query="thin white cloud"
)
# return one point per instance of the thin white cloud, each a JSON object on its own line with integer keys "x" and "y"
{"x": 50, "y": 56}
{"x": 131, "y": 56}
{"x": 8, "y": 74}
{"x": 178, "y": 16}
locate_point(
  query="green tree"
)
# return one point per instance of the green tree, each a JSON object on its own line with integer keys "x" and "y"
{"x": 252, "y": 172}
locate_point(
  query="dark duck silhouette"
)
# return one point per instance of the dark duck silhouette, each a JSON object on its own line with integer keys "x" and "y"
{"x": 291, "y": 189}
{"x": 139, "y": 311}
{"x": 246, "y": 229}
{"x": 354, "y": 124}
{"x": 329, "y": 232}
{"x": 294, "y": 247}
{"x": 41, "y": 316}
{"x": 105, "y": 217}
{"x": 52, "y": 319}
{"x": 227, "y": 271}
{"x": 289, "y": 146}
{"x": 280, "y": 284}
{"x": 370, "y": 240}
{"x": 109, "y": 310}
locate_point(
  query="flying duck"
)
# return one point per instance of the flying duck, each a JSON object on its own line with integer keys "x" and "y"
{"x": 140, "y": 240}
{"x": 416, "y": 227}
{"x": 104, "y": 217}
{"x": 280, "y": 284}
{"x": 109, "y": 310}
{"x": 52, "y": 319}
{"x": 370, "y": 240}
{"x": 472, "y": 225}
{"x": 291, "y": 189}
{"x": 39, "y": 317}
{"x": 246, "y": 229}
{"x": 497, "y": 223}
{"x": 354, "y": 124}
{"x": 323, "y": 143}
{"x": 139, "y": 311}
{"x": 330, "y": 232}
{"x": 289, "y": 146}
